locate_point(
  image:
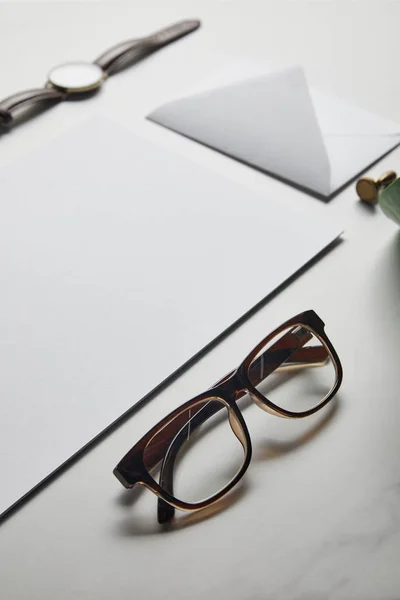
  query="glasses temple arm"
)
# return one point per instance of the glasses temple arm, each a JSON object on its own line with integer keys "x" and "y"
{"x": 310, "y": 356}
{"x": 165, "y": 510}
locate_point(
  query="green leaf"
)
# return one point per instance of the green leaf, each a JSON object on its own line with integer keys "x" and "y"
{"x": 389, "y": 201}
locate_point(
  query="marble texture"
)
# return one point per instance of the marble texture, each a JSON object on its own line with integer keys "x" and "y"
{"x": 318, "y": 514}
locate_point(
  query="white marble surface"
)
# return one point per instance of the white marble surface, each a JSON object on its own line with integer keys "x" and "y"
{"x": 318, "y": 513}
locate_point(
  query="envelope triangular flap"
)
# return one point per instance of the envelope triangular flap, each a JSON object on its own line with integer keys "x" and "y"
{"x": 354, "y": 138}
{"x": 268, "y": 122}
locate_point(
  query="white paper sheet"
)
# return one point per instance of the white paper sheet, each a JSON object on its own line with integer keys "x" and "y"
{"x": 276, "y": 123}
{"x": 119, "y": 261}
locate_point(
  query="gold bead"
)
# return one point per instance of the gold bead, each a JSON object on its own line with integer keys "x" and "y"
{"x": 368, "y": 188}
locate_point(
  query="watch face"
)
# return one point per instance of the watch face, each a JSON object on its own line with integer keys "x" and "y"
{"x": 76, "y": 77}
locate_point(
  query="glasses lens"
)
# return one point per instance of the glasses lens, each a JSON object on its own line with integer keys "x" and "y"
{"x": 294, "y": 370}
{"x": 198, "y": 453}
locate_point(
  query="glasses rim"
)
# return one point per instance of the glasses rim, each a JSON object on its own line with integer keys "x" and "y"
{"x": 270, "y": 406}
{"x": 244, "y": 439}
{"x": 131, "y": 470}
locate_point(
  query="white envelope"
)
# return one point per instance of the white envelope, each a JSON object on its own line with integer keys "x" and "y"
{"x": 276, "y": 123}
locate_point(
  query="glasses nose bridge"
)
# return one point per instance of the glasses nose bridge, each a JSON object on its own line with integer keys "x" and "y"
{"x": 232, "y": 387}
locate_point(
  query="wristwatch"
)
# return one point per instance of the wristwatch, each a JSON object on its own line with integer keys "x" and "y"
{"x": 79, "y": 79}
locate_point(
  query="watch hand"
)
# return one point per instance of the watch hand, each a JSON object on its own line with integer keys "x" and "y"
{"x": 9, "y": 106}
{"x": 112, "y": 59}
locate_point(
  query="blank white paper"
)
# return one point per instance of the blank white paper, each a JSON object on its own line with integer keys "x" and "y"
{"x": 119, "y": 261}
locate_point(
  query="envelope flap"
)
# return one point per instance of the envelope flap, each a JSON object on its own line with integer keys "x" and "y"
{"x": 268, "y": 122}
{"x": 350, "y": 155}
{"x": 337, "y": 117}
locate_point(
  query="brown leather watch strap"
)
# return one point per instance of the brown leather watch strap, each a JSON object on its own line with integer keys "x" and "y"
{"x": 10, "y": 105}
{"x": 5, "y": 117}
{"x": 114, "y": 58}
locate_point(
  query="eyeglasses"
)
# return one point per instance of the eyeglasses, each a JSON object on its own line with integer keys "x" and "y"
{"x": 200, "y": 451}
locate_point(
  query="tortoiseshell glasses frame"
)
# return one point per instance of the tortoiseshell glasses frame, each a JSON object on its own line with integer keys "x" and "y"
{"x": 160, "y": 446}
